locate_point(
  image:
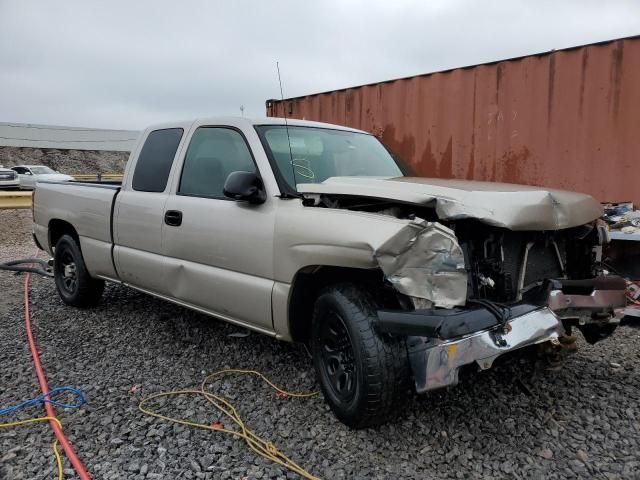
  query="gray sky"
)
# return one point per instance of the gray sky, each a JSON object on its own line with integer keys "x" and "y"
{"x": 126, "y": 64}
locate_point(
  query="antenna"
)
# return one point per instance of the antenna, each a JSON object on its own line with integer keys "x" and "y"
{"x": 286, "y": 126}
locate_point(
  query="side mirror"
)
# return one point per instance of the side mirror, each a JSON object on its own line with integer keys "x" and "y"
{"x": 244, "y": 186}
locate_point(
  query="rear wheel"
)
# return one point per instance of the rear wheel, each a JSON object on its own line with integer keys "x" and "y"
{"x": 75, "y": 286}
{"x": 362, "y": 373}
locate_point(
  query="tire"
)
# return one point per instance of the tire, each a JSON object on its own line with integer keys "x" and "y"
{"x": 75, "y": 286}
{"x": 362, "y": 374}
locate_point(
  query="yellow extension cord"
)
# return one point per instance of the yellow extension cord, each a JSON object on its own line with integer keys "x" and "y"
{"x": 261, "y": 447}
{"x": 56, "y": 453}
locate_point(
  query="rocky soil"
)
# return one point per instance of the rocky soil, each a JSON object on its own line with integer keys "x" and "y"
{"x": 581, "y": 421}
{"x": 65, "y": 161}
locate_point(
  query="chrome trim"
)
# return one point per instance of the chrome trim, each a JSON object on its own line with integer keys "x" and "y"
{"x": 436, "y": 363}
{"x": 609, "y": 299}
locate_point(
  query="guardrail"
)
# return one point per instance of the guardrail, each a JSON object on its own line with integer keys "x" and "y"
{"x": 99, "y": 177}
{"x": 22, "y": 199}
{"x": 12, "y": 200}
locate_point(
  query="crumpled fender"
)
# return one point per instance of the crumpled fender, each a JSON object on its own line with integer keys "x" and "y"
{"x": 424, "y": 260}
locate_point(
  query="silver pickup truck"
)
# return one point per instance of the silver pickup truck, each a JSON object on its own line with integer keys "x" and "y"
{"x": 315, "y": 233}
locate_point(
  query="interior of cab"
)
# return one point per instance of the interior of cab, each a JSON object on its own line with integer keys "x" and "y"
{"x": 312, "y": 155}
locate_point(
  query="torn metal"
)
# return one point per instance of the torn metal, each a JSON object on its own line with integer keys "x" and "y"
{"x": 424, "y": 261}
{"x": 435, "y": 364}
{"x": 515, "y": 207}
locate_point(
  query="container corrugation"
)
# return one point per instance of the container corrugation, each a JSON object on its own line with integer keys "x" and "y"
{"x": 567, "y": 119}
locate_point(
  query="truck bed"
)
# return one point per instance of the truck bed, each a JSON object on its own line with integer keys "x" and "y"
{"x": 88, "y": 207}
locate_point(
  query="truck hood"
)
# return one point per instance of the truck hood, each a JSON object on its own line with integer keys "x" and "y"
{"x": 515, "y": 207}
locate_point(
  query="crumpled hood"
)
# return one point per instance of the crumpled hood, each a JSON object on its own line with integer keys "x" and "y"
{"x": 516, "y": 207}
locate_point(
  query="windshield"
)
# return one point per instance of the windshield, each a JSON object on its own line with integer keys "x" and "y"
{"x": 41, "y": 170}
{"x": 314, "y": 154}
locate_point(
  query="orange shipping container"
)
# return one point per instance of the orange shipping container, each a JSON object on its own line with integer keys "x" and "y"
{"x": 567, "y": 119}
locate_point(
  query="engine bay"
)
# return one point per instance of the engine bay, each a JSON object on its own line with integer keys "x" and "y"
{"x": 502, "y": 265}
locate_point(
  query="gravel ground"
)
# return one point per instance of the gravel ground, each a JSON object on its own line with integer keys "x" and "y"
{"x": 66, "y": 161}
{"x": 582, "y": 421}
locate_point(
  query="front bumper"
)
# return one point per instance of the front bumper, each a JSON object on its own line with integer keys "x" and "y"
{"x": 585, "y": 299}
{"x": 7, "y": 184}
{"x": 440, "y": 341}
{"x": 436, "y": 363}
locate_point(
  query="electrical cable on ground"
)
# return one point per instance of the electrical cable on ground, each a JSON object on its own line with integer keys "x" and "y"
{"x": 262, "y": 447}
{"x": 55, "y": 443}
{"x": 42, "y": 380}
{"x": 46, "y": 398}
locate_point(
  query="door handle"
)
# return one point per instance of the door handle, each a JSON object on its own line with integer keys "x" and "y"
{"x": 173, "y": 218}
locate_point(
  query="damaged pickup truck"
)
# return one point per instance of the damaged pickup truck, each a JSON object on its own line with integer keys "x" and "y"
{"x": 315, "y": 233}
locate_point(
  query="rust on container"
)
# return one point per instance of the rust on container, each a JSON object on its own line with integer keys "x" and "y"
{"x": 564, "y": 119}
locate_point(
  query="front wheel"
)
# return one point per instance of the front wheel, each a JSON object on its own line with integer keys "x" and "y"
{"x": 75, "y": 286}
{"x": 362, "y": 373}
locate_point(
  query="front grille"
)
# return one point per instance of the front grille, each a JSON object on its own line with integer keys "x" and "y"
{"x": 499, "y": 258}
{"x": 7, "y": 176}
{"x": 542, "y": 262}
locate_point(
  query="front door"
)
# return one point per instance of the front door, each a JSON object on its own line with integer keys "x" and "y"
{"x": 26, "y": 177}
{"x": 219, "y": 255}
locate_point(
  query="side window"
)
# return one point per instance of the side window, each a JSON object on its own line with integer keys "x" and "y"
{"x": 214, "y": 153}
{"x": 155, "y": 160}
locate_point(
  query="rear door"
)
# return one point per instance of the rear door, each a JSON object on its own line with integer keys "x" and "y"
{"x": 138, "y": 217}
{"x": 219, "y": 255}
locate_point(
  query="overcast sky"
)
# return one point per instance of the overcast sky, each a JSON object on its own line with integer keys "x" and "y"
{"x": 126, "y": 64}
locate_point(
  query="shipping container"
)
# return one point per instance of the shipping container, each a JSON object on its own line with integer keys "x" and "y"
{"x": 566, "y": 119}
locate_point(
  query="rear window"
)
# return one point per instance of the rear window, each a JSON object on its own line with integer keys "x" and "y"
{"x": 155, "y": 160}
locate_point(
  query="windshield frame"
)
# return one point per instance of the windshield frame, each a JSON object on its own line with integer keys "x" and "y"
{"x": 286, "y": 190}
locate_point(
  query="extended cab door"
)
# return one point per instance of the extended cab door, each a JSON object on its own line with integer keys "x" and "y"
{"x": 138, "y": 217}
{"x": 219, "y": 252}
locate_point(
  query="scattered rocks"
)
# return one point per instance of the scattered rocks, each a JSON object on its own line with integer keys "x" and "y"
{"x": 546, "y": 453}
{"x": 65, "y": 161}
{"x": 582, "y": 456}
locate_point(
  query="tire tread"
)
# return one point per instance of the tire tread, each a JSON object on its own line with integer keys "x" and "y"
{"x": 384, "y": 358}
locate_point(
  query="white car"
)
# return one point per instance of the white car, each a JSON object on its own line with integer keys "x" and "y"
{"x": 30, "y": 174}
{"x": 8, "y": 179}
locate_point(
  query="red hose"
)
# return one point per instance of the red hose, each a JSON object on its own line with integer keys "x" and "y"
{"x": 42, "y": 380}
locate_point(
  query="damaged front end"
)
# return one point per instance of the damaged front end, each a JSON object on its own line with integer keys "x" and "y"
{"x": 483, "y": 292}
{"x": 470, "y": 290}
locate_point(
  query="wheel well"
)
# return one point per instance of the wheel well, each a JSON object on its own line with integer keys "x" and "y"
{"x": 58, "y": 228}
{"x": 310, "y": 281}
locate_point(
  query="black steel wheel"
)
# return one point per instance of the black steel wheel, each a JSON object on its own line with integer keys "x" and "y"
{"x": 337, "y": 357}
{"x": 67, "y": 270}
{"x": 362, "y": 374}
{"x": 75, "y": 286}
